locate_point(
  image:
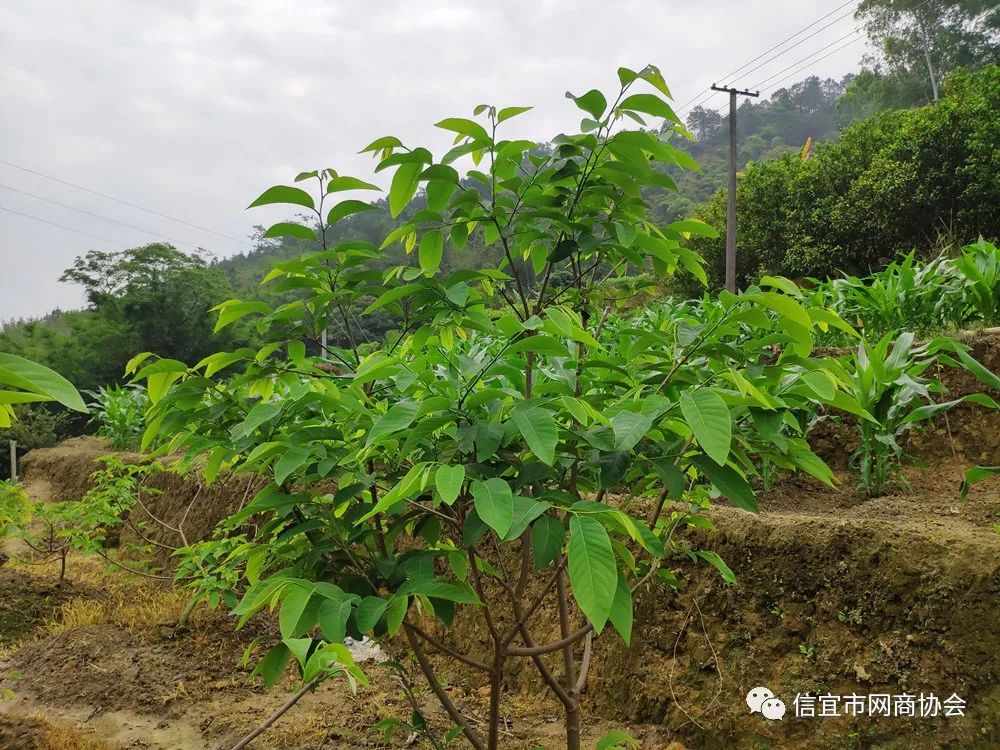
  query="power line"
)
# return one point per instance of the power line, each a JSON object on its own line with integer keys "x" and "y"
{"x": 119, "y": 200}
{"x": 61, "y": 226}
{"x": 789, "y": 49}
{"x": 804, "y": 59}
{"x": 766, "y": 52}
{"x": 857, "y": 32}
{"x": 796, "y": 72}
{"x": 96, "y": 216}
{"x": 799, "y": 70}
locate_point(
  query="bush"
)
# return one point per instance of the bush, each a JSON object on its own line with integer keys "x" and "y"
{"x": 900, "y": 180}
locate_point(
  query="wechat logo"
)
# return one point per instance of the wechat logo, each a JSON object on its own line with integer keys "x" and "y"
{"x": 762, "y": 701}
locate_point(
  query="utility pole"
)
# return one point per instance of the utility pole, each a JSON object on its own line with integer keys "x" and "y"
{"x": 13, "y": 461}
{"x": 731, "y": 209}
{"x": 927, "y": 58}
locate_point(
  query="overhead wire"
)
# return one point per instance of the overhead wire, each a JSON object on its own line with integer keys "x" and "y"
{"x": 121, "y": 201}
{"x": 739, "y": 69}
{"x": 61, "y": 226}
{"x": 96, "y": 215}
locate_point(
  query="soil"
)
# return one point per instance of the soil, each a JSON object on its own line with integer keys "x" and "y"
{"x": 837, "y": 594}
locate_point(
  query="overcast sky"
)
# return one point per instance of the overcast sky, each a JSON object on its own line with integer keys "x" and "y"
{"x": 191, "y": 108}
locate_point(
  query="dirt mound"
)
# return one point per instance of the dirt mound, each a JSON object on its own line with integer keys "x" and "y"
{"x": 64, "y": 472}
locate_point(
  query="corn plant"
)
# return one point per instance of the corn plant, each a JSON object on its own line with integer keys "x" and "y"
{"x": 906, "y": 295}
{"x": 979, "y": 267}
{"x": 888, "y": 380}
{"x": 119, "y": 413}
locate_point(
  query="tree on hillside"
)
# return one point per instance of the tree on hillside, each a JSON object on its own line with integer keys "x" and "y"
{"x": 913, "y": 37}
{"x": 903, "y": 179}
{"x": 162, "y": 295}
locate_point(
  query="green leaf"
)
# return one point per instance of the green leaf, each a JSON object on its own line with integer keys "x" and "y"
{"x": 526, "y": 510}
{"x": 272, "y": 666}
{"x": 629, "y": 428}
{"x": 404, "y": 186}
{"x": 448, "y": 480}
{"x": 494, "y": 503}
{"x": 291, "y": 229}
{"x": 719, "y": 564}
{"x": 233, "y": 310}
{"x": 507, "y": 112}
{"x": 369, "y": 612}
{"x": 649, "y": 104}
{"x": 344, "y": 182}
{"x": 976, "y": 474}
{"x": 346, "y": 208}
{"x": 547, "y": 537}
{"x": 538, "y": 428}
{"x": 431, "y": 250}
{"x": 290, "y": 462}
{"x": 460, "y": 593}
{"x": 693, "y": 226}
{"x": 333, "y": 617}
{"x": 395, "y": 613}
{"x": 465, "y": 127}
{"x": 708, "y": 417}
{"x": 540, "y": 344}
{"x": 593, "y": 102}
{"x": 617, "y": 739}
{"x": 728, "y": 481}
{"x": 284, "y": 194}
{"x": 785, "y": 306}
{"x": 593, "y": 573}
{"x": 399, "y": 417}
{"x": 621, "y": 609}
{"x": 24, "y": 374}
{"x": 293, "y": 605}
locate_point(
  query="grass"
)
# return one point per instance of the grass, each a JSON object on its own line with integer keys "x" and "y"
{"x": 126, "y": 601}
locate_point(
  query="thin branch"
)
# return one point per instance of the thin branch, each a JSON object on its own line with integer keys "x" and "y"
{"x": 279, "y": 713}
{"x": 444, "y": 648}
{"x": 425, "y": 666}
{"x": 548, "y": 648}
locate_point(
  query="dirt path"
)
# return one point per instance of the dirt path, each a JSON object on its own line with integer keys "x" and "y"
{"x": 125, "y": 730}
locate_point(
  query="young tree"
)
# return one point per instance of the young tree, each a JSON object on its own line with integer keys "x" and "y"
{"x": 506, "y": 450}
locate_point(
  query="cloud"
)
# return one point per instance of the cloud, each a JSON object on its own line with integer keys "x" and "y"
{"x": 193, "y": 108}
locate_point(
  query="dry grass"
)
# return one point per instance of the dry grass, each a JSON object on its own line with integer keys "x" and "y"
{"x": 45, "y": 735}
{"x": 108, "y": 596}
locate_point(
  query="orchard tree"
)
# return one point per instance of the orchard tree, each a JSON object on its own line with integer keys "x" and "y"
{"x": 506, "y": 450}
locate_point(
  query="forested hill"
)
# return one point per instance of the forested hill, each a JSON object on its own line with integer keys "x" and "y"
{"x": 767, "y": 128}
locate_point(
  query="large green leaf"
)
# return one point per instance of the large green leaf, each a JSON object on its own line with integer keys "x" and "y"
{"x": 494, "y": 503}
{"x": 284, "y": 194}
{"x": 404, "y": 185}
{"x": 24, "y": 374}
{"x": 333, "y": 617}
{"x": 593, "y": 573}
{"x": 538, "y": 428}
{"x": 708, "y": 417}
{"x": 469, "y": 128}
{"x": 621, "y": 609}
{"x": 294, "y": 602}
{"x": 399, "y": 416}
{"x": 526, "y": 510}
{"x": 593, "y": 102}
{"x": 629, "y": 428}
{"x": 547, "y": 537}
{"x": 729, "y": 482}
{"x": 448, "y": 480}
{"x": 346, "y": 208}
{"x": 431, "y": 250}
